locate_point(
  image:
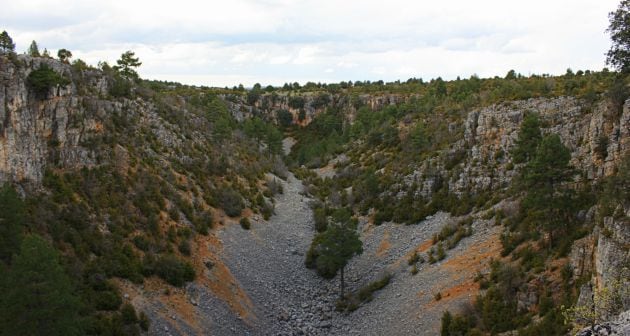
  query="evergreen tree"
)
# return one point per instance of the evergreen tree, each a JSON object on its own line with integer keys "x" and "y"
{"x": 619, "y": 29}
{"x": 37, "y": 297}
{"x": 338, "y": 244}
{"x": 12, "y": 215}
{"x": 126, "y": 63}
{"x": 528, "y": 139}
{"x": 64, "y": 55}
{"x": 33, "y": 49}
{"x": 6, "y": 43}
{"x": 549, "y": 202}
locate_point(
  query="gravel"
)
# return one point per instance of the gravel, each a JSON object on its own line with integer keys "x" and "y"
{"x": 290, "y": 299}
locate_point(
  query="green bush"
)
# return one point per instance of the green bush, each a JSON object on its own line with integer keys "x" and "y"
{"x": 365, "y": 294}
{"x": 170, "y": 268}
{"x": 128, "y": 314}
{"x": 285, "y": 118}
{"x": 321, "y": 219}
{"x": 120, "y": 87}
{"x": 414, "y": 258}
{"x": 44, "y": 78}
{"x": 107, "y": 300}
{"x": 231, "y": 202}
{"x": 184, "y": 247}
{"x": 245, "y": 223}
{"x": 144, "y": 322}
{"x": 296, "y": 102}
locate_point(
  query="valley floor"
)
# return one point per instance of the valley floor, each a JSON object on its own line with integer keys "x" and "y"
{"x": 287, "y": 298}
{"x": 265, "y": 289}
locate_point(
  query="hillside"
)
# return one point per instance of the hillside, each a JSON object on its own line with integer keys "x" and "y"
{"x": 171, "y": 209}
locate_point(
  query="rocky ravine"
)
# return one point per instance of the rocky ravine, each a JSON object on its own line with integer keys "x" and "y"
{"x": 288, "y": 299}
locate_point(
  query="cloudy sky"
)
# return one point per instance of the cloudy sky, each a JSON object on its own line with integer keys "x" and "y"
{"x": 224, "y": 43}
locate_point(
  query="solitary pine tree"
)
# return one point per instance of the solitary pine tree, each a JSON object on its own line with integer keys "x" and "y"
{"x": 126, "y": 63}
{"x": 339, "y": 243}
{"x": 37, "y": 295}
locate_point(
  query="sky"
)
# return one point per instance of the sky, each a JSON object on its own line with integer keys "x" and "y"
{"x": 226, "y": 43}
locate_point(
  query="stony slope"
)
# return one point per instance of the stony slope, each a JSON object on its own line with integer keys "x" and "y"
{"x": 288, "y": 299}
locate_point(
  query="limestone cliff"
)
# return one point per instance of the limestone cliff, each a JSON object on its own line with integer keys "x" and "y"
{"x": 36, "y": 131}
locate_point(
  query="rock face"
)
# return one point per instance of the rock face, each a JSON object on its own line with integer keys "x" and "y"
{"x": 308, "y": 105}
{"x": 36, "y": 132}
{"x": 605, "y": 256}
{"x": 617, "y": 327}
{"x": 491, "y": 132}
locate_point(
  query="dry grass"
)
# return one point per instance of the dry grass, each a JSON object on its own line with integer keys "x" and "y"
{"x": 461, "y": 270}
{"x": 384, "y": 246}
{"x": 219, "y": 279}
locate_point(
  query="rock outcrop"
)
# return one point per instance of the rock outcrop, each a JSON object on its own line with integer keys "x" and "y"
{"x": 54, "y": 130}
{"x": 618, "y": 327}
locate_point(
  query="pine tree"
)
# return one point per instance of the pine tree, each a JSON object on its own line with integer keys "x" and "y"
{"x": 64, "y": 55}
{"x": 37, "y": 296}
{"x": 619, "y": 29}
{"x": 33, "y": 49}
{"x": 6, "y": 43}
{"x": 12, "y": 214}
{"x": 548, "y": 201}
{"x": 126, "y": 63}
{"x": 338, "y": 244}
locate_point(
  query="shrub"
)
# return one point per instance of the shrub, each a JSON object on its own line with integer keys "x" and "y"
{"x": 128, "y": 314}
{"x": 245, "y": 223}
{"x": 184, "y": 247}
{"x": 120, "y": 87}
{"x": 170, "y": 268}
{"x": 601, "y": 147}
{"x": 203, "y": 223}
{"x": 440, "y": 252}
{"x": 320, "y": 218}
{"x": 352, "y": 301}
{"x": 231, "y": 202}
{"x": 414, "y": 258}
{"x": 285, "y": 118}
{"x": 274, "y": 186}
{"x": 144, "y": 322}
{"x": 141, "y": 242}
{"x": 296, "y": 102}
{"x": 44, "y": 78}
{"x": 106, "y": 300}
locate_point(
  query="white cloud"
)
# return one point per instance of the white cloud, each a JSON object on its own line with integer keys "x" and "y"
{"x": 276, "y": 41}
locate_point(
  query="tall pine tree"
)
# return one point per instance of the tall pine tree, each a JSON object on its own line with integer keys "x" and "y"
{"x": 549, "y": 201}
{"x": 11, "y": 222}
{"x": 338, "y": 244}
{"x": 37, "y": 295}
{"x": 528, "y": 139}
